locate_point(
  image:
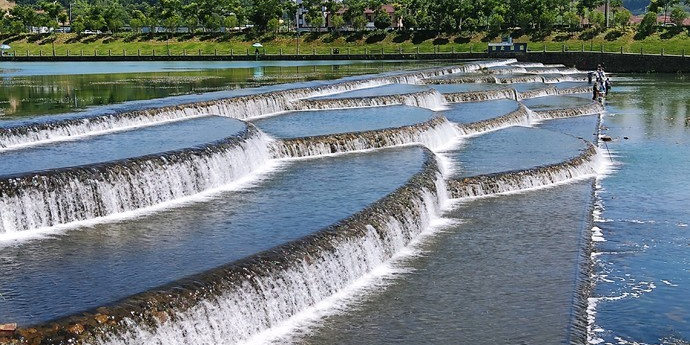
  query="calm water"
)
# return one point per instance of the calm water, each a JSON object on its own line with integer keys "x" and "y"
{"x": 514, "y": 148}
{"x": 29, "y": 89}
{"x": 468, "y": 112}
{"x": 321, "y": 122}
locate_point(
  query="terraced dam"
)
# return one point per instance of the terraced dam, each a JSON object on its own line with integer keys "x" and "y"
{"x": 422, "y": 206}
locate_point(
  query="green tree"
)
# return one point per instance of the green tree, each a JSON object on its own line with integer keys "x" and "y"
{"x": 662, "y": 6}
{"x": 230, "y": 22}
{"x": 359, "y": 23}
{"x": 338, "y": 22}
{"x": 496, "y": 22}
{"x": 648, "y": 24}
{"x": 596, "y": 20}
{"x": 678, "y": 15}
{"x": 25, "y": 15}
{"x": 572, "y": 20}
{"x": 273, "y": 25}
{"x": 263, "y": 11}
{"x": 382, "y": 20}
{"x": 622, "y": 18}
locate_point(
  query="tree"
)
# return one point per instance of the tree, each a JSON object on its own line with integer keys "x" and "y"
{"x": 678, "y": 15}
{"x": 572, "y": 20}
{"x": 496, "y": 22}
{"x": 263, "y": 11}
{"x": 382, "y": 20}
{"x": 273, "y": 25}
{"x": 622, "y": 18}
{"x": 230, "y": 22}
{"x": 596, "y": 20}
{"x": 648, "y": 24}
{"x": 338, "y": 22}
{"x": 663, "y": 5}
{"x": 359, "y": 23}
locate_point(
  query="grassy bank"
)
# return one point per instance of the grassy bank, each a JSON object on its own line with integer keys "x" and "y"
{"x": 674, "y": 41}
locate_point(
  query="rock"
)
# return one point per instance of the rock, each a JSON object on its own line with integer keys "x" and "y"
{"x": 77, "y": 329}
{"x": 100, "y": 318}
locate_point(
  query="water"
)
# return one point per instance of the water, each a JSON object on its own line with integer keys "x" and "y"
{"x": 331, "y": 250}
{"x": 503, "y": 275}
{"x": 514, "y": 148}
{"x": 41, "y": 88}
{"x": 116, "y": 259}
{"x": 469, "y": 112}
{"x": 322, "y": 122}
{"x": 121, "y": 145}
{"x": 642, "y": 283}
{"x": 555, "y": 102}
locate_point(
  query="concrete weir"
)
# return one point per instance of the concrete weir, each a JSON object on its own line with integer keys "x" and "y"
{"x": 514, "y": 118}
{"x": 583, "y": 165}
{"x": 430, "y": 99}
{"x": 587, "y": 109}
{"x": 57, "y": 197}
{"x": 432, "y": 134}
{"x": 261, "y": 291}
{"x": 478, "y": 96}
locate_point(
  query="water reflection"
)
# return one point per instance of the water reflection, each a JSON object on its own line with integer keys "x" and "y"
{"x": 64, "y": 87}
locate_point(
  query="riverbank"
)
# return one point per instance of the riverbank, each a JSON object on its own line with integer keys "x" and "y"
{"x": 668, "y": 41}
{"x": 614, "y": 61}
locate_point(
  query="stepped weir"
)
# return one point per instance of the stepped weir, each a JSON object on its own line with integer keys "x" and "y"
{"x": 238, "y": 301}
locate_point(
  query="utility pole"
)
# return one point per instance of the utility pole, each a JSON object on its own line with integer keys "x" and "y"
{"x": 606, "y": 12}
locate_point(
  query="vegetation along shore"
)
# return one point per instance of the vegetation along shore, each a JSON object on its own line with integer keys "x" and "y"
{"x": 274, "y": 27}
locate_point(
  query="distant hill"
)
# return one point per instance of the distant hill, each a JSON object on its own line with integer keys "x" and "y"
{"x": 636, "y": 6}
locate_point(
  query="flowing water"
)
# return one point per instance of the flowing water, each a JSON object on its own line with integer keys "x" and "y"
{"x": 414, "y": 219}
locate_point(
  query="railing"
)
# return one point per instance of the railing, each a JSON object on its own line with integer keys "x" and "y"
{"x": 341, "y": 52}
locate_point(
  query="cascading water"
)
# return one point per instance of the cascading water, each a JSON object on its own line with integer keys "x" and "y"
{"x": 430, "y": 99}
{"x": 519, "y": 117}
{"x": 547, "y": 91}
{"x": 63, "y": 196}
{"x": 478, "y": 96}
{"x": 434, "y": 134}
{"x": 585, "y": 165}
{"x": 588, "y": 109}
{"x": 236, "y": 302}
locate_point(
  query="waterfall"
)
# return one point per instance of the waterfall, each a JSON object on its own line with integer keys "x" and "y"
{"x": 519, "y": 117}
{"x": 506, "y": 70}
{"x": 435, "y": 133}
{"x": 567, "y": 77}
{"x": 240, "y": 300}
{"x": 478, "y": 79}
{"x": 588, "y": 109}
{"x": 478, "y": 96}
{"x": 575, "y": 90}
{"x": 547, "y": 91}
{"x": 584, "y": 165}
{"x": 527, "y": 64}
{"x": 44, "y": 199}
{"x": 521, "y": 79}
{"x": 430, "y": 99}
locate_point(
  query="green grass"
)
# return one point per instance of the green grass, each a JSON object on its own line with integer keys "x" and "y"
{"x": 672, "y": 41}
